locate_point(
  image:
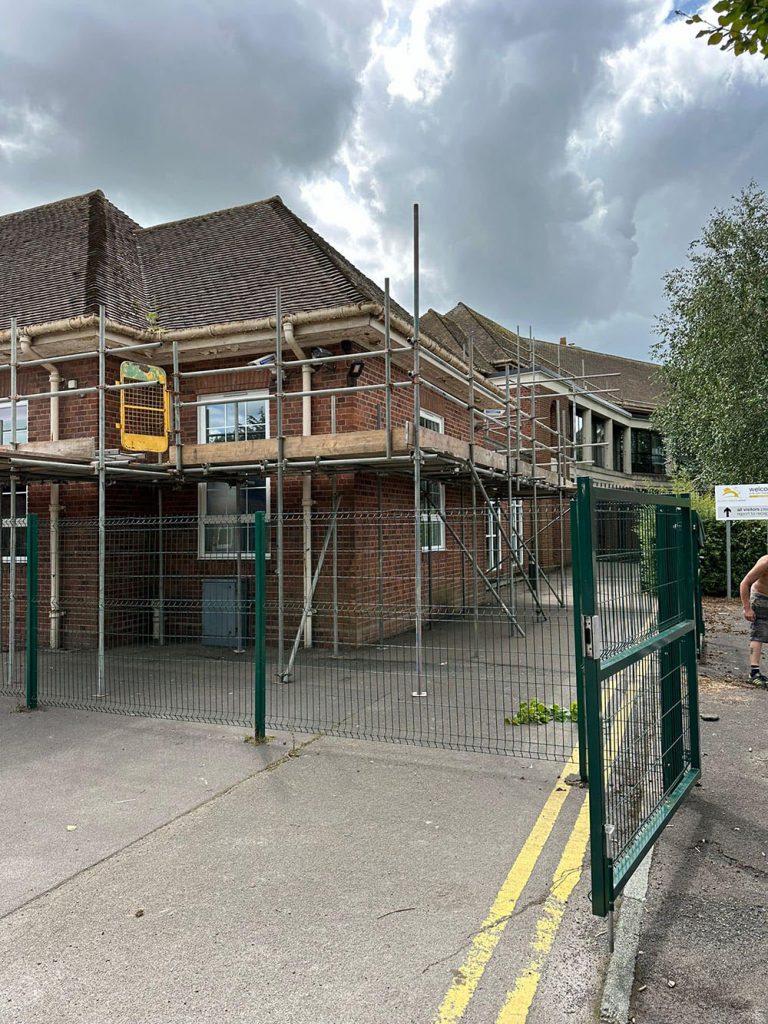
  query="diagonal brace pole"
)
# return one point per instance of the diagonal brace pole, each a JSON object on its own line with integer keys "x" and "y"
{"x": 510, "y": 614}
{"x": 495, "y": 513}
{"x": 307, "y": 610}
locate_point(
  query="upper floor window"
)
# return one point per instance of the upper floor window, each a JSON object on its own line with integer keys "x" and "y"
{"x": 22, "y": 420}
{"x": 598, "y": 442}
{"x": 618, "y": 448}
{"x": 225, "y": 510}
{"x": 648, "y": 453}
{"x": 432, "y": 421}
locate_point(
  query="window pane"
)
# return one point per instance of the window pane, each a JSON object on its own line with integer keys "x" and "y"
{"x": 221, "y": 499}
{"x": 214, "y": 423}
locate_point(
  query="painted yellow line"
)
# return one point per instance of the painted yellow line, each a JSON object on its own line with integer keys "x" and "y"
{"x": 568, "y": 872}
{"x": 486, "y": 940}
{"x": 519, "y": 999}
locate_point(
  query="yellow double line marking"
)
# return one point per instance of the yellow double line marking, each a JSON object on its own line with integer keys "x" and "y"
{"x": 467, "y": 978}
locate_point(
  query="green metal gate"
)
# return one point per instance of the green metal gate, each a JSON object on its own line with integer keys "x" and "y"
{"x": 635, "y": 585}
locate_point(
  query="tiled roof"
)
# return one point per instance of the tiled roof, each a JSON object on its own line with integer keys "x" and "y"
{"x": 66, "y": 258}
{"x": 637, "y": 386}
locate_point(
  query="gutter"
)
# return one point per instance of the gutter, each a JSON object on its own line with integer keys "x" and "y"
{"x": 372, "y": 309}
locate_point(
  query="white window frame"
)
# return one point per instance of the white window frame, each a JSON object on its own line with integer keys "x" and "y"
{"x": 202, "y": 488}
{"x": 493, "y": 536}
{"x": 22, "y": 436}
{"x": 432, "y": 421}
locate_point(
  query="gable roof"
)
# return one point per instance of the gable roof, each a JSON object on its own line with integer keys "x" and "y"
{"x": 637, "y": 388}
{"x": 66, "y": 258}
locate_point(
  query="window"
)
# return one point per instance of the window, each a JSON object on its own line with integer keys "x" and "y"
{"x": 618, "y": 448}
{"x": 226, "y": 510}
{"x": 648, "y": 453}
{"x": 21, "y": 521}
{"x": 598, "y": 440}
{"x": 432, "y": 421}
{"x": 578, "y": 434}
{"x": 22, "y": 436}
{"x": 432, "y": 496}
{"x": 493, "y": 535}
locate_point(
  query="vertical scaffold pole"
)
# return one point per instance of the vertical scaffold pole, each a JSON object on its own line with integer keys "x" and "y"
{"x": 177, "y": 408}
{"x": 534, "y": 456}
{"x": 510, "y": 509}
{"x": 260, "y": 628}
{"x": 387, "y": 369}
{"x": 334, "y": 547}
{"x": 32, "y": 605}
{"x": 471, "y": 424}
{"x": 101, "y": 680}
{"x": 419, "y": 690}
{"x": 13, "y": 510}
{"x": 518, "y": 411}
{"x": 280, "y": 472}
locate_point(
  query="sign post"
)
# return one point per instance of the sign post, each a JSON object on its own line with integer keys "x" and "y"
{"x": 744, "y": 502}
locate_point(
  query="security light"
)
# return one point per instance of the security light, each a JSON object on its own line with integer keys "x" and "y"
{"x": 320, "y": 353}
{"x": 263, "y": 361}
{"x": 354, "y": 371}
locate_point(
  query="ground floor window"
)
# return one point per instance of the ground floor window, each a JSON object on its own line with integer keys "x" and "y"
{"x": 432, "y": 511}
{"x": 226, "y": 516}
{"x": 7, "y": 522}
{"x": 494, "y": 541}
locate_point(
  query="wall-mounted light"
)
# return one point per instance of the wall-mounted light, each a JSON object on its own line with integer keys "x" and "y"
{"x": 319, "y": 353}
{"x": 263, "y": 361}
{"x": 354, "y": 371}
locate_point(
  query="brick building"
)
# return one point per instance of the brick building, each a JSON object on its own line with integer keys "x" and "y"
{"x": 197, "y": 299}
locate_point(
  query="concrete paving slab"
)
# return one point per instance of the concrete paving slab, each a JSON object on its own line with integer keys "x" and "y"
{"x": 342, "y": 886}
{"x": 113, "y": 777}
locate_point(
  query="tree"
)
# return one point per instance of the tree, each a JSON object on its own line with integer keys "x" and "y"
{"x": 714, "y": 349}
{"x": 742, "y": 26}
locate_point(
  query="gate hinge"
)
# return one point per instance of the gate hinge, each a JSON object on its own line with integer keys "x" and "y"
{"x": 591, "y": 635}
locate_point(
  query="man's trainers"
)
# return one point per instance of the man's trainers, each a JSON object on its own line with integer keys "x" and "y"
{"x": 758, "y": 679}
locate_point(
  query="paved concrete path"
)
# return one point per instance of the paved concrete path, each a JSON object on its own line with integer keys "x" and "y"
{"x": 211, "y": 880}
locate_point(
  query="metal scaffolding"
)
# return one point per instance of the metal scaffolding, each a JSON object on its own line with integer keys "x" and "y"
{"x": 509, "y": 451}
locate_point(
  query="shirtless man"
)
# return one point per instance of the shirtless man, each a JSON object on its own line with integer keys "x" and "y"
{"x": 754, "y": 597}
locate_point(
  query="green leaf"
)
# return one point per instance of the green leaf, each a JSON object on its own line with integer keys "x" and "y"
{"x": 715, "y": 38}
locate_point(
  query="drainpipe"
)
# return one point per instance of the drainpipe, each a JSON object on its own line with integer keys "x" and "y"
{"x": 306, "y": 483}
{"x": 54, "y": 380}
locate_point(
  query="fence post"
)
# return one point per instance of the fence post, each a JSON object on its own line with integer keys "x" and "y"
{"x": 670, "y": 541}
{"x": 581, "y": 703}
{"x": 32, "y": 601}
{"x": 260, "y": 628}
{"x": 602, "y": 888}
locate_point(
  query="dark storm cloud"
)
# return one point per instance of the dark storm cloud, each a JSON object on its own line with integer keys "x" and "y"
{"x": 564, "y": 159}
{"x": 571, "y": 155}
{"x": 174, "y": 107}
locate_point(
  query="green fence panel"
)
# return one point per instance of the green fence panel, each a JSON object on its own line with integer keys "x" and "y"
{"x": 635, "y": 599}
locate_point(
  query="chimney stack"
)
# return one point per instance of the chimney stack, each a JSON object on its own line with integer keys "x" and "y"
{"x": 563, "y": 342}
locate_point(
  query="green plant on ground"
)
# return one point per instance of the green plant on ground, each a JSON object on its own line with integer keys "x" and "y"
{"x": 535, "y": 712}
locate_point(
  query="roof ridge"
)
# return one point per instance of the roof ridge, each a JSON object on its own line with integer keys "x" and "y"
{"x": 214, "y": 213}
{"x": 54, "y": 202}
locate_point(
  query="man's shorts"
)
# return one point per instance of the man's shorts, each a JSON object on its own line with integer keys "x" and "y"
{"x": 759, "y": 630}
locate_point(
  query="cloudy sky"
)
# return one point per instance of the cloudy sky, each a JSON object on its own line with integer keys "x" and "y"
{"x": 564, "y": 154}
